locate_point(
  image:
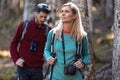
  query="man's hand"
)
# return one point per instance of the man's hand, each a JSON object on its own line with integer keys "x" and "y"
{"x": 20, "y": 62}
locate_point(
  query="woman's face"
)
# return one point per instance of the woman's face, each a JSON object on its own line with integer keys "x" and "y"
{"x": 67, "y": 15}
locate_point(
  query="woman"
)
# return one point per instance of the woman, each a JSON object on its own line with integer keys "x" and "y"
{"x": 69, "y": 31}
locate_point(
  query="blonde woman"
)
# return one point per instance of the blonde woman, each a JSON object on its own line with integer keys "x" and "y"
{"x": 69, "y": 33}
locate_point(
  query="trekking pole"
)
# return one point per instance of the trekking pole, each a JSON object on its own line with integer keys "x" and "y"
{"x": 79, "y": 56}
{"x": 48, "y": 68}
{"x": 53, "y": 55}
{"x": 47, "y": 71}
{"x": 52, "y": 66}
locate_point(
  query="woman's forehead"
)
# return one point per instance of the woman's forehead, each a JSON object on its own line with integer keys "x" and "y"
{"x": 66, "y": 7}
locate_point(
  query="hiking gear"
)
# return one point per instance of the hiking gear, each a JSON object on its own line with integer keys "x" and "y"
{"x": 25, "y": 25}
{"x": 53, "y": 55}
{"x": 42, "y": 7}
{"x": 70, "y": 51}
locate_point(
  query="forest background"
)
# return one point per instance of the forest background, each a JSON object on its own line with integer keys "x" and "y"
{"x": 101, "y": 23}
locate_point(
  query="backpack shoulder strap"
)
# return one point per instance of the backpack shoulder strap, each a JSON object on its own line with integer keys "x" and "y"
{"x": 78, "y": 50}
{"x": 46, "y": 28}
{"x": 53, "y": 44}
{"x": 25, "y": 25}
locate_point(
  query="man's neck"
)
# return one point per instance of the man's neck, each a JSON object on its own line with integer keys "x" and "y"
{"x": 40, "y": 25}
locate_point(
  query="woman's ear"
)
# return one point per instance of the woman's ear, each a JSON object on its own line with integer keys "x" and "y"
{"x": 74, "y": 17}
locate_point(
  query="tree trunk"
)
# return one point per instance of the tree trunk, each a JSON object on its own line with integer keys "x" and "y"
{"x": 55, "y": 6}
{"x": 25, "y": 13}
{"x": 89, "y": 73}
{"x": 109, "y": 8}
{"x": 28, "y": 9}
{"x": 116, "y": 46}
{"x": 109, "y": 13}
{"x": 52, "y": 15}
{"x": 90, "y": 15}
{"x": 1, "y": 7}
{"x": 8, "y": 7}
{"x": 103, "y": 2}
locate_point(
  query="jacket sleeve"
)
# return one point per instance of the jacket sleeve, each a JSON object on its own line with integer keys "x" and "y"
{"x": 47, "y": 49}
{"x": 14, "y": 45}
{"x": 85, "y": 51}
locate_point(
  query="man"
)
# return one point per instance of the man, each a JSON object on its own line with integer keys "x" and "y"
{"x": 27, "y": 54}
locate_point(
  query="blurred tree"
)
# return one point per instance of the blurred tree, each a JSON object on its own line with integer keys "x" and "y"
{"x": 89, "y": 3}
{"x": 29, "y": 6}
{"x": 55, "y": 6}
{"x": 52, "y": 16}
{"x": 25, "y": 13}
{"x": 39, "y": 1}
{"x": 95, "y": 2}
{"x": 59, "y": 3}
{"x": 109, "y": 8}
{"x": 10, "y": 12}
{"x": 83, "y": 6}
{"x": 116, "y": 46}
{"x": 28, "y": 9}
{"x": 8, "y": 7}
{"x": 109, "y": 13}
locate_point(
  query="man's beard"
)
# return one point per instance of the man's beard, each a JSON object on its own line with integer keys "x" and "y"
{"x": 39, "y": 22}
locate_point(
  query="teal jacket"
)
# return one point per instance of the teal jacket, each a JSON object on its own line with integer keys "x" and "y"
{"x": 70, "y": 51}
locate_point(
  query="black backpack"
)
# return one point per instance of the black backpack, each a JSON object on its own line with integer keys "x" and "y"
{"x": 25, "y": 25}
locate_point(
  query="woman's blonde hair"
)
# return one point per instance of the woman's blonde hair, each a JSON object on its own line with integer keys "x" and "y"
{"x": 77, "y": 28}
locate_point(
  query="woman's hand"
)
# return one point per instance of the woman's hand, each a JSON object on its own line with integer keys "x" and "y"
{"x": 79, "y": 64}
{"x": 51, "y": 60}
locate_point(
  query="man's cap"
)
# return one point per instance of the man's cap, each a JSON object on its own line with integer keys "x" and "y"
{"x": 42, "y": 7}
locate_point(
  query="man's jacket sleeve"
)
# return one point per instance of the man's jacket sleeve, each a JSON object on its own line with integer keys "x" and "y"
{"x": 14, "y": 45}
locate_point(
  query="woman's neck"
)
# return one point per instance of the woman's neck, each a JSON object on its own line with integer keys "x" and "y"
{"x": 67, "y": 27}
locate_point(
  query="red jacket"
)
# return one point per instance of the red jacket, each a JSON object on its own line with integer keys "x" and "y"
{"x": 33, "y": 33}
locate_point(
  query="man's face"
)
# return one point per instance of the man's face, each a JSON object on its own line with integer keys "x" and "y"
{"x": 41, "y": 17}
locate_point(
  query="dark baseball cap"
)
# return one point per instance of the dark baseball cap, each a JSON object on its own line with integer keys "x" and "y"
{"x": 42, "y": 7}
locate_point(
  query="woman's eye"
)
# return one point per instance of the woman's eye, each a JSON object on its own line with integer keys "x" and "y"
{"x": 61, "y": 11}
{"x": 67, "y": 11}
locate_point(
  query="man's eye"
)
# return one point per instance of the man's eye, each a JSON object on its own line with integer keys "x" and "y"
{"x": 67, "y": 11}
{"x": 45, "y": 17}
